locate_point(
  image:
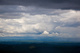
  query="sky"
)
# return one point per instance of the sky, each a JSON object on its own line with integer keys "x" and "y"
{"x": 51, "y": 18}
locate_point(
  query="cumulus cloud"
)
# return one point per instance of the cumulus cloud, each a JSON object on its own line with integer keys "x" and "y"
{"x": 45, "y": 32}
{"x": 56, "y": 22}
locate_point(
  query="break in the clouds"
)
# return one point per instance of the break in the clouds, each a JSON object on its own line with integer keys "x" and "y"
{"x": 59, "y": 4}
{"x": 16, "y": 19}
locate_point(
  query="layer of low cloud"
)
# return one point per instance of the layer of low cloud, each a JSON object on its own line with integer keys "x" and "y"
{"x": 57, "y": 22}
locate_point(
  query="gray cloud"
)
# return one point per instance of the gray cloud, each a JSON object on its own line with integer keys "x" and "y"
{"x": 15, "y": 11}
{"x": 61, "y": 4}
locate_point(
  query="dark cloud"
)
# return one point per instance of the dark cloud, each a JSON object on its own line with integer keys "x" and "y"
{"x": 73, "y": 24}
{"x": 63, "y": 4}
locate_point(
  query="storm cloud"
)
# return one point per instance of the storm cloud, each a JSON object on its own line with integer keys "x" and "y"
{"x": 56, "y": 4}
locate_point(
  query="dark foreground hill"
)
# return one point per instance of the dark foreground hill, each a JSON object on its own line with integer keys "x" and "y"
{"x": 49, "y": 47}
